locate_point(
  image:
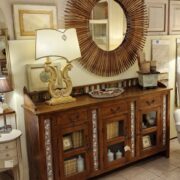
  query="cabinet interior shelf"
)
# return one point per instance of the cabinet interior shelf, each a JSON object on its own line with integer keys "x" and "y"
{"x": 116, "y": 140}
{"x": 149, "y": 130}
{"x": 149, "y": 148}
{"x": 117, "y": 162}
{"x": 74, "y": 152}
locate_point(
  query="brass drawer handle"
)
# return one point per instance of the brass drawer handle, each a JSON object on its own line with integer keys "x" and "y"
{"x": 74, "y": 118}
{"x": 115, "y": 110}
{"x": 150, "y": 102}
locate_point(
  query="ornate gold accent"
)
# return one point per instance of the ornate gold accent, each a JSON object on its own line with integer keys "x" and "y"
{"x": 59, "y": 95}
{"x": 23, "y": 32}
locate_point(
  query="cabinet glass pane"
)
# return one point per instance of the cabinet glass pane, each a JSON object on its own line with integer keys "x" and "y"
{"x": 149, "y": 140}
{"x": 115, "y": 129}
{"x": 73, "y": 140}
{"x": 149, "y": 119}
{"x": 115, "y": 152}
{"x": 74, "y": 165}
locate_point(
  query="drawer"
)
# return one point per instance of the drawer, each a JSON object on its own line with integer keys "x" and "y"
{"x": 4, "y": 163}
{"x": 72, "y": 117}
{"x": 7, "y": 146}
{"x": 8, "y": 154}
{"x": 113, "y": 109}
{"x": 147, "y": 102}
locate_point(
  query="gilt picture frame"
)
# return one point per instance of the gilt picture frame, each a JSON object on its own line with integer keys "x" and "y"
{"x": 146, "y": 141}
{"x": 2, "y": 47}
{"x": 29, "y": 18}
{"x": 37, "y": 78}
{"x": 67, "y": 143}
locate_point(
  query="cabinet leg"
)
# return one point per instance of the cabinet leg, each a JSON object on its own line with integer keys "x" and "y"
{"x": 16, "y": 173}
{"x": 166, "y": 153}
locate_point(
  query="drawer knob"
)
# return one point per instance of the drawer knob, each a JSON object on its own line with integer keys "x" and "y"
{"x": 6, "y": 147}
{"x": 7, "y": 155}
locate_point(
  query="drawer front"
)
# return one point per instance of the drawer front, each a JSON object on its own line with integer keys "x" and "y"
{"x": 8, "y": 163}
{"x": 146, "y": 102}
{"x": 114, "y": 109}
{"x": 8, "y": 154}
{"x": 7, "y": 146}
{"x": 73, "y": 117}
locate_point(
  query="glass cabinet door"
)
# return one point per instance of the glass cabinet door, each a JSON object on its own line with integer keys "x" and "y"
{"x": 149, "y": 130}
{"x": 75, "y": 146}
{"x": 116, "y": 140}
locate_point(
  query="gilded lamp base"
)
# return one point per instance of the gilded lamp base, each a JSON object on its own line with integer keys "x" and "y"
{"x": 60, "y": 100}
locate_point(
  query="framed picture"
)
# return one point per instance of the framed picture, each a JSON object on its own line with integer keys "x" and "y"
{"x": 29, "y": 18}
{"x": 146, "y": 141}
{"x": 67, "y": 143}
{"x": 37, "y": 78}
{"x": 2, "y": 48}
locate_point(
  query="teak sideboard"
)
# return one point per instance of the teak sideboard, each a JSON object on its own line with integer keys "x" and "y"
{"x": 135, "y": 124}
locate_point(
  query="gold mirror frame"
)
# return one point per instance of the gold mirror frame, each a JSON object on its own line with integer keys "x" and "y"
{"x": 96, "y": 60}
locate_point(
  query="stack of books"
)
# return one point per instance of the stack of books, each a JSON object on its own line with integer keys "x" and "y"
{"x": 70, "y": 167}
{"x": 77, "y": 139}
{"x": 112, "y": 130}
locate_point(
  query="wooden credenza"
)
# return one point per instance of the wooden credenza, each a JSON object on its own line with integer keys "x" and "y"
{"x": 81, "y": 139}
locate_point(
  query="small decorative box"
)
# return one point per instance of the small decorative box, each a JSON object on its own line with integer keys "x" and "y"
{"x": 148, "y": 79}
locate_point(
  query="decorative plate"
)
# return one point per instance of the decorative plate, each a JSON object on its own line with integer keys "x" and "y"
{"x": 106, "y": 93}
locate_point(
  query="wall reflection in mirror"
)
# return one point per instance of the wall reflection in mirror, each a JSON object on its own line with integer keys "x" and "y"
{"x": 108, "y": 25}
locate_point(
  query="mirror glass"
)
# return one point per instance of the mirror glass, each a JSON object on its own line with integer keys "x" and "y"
{"x": 108, "y": 25}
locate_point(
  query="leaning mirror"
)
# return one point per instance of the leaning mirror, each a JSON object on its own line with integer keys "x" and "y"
{"x": 110, "y": 33}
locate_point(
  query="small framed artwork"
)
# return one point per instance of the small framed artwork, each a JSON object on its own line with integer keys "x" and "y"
{"x": 2, "y": 48}
{"x": 29, "y": 18}
{"x": 146, "y": 141}
{"x": 37, "y": 78}
{"x": 67, "y": 143}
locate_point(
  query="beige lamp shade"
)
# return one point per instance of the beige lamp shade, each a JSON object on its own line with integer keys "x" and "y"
{"x": 57, "y": 43}
{"x": 5, "y": 84}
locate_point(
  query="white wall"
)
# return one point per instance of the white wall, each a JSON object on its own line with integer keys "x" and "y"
{"x": 22, "y": 52}
{"x": 21, "y": 56}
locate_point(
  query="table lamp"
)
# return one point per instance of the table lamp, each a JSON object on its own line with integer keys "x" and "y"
{"x": 4, "y": 88}
{"x": 62, "y": 43}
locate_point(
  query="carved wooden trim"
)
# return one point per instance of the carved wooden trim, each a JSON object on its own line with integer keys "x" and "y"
{"x": 133, "y": 129}
{"x": 48, "y": 148}
{"x": 96, "y": 60}
{"x": 164, "y": 118}
{"x": 95, "y": 140}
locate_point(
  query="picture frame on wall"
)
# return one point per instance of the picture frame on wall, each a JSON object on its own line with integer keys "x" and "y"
{"x": 146, "y": 141}
{"x": 29, "y": 18}
{"x": 2, "y": 48}
{"x": 37, "y": 78}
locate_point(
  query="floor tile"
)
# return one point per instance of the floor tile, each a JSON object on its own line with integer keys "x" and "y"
{"x": 153, "y": 168}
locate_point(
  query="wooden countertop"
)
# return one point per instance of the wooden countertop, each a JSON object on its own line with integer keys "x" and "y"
{"x": 86, "y": 100}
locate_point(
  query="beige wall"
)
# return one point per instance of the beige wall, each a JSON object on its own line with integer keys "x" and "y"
{"x": 172, "y": 61}
{"x": 79, "y": 76}
{"x": 6, "y": 7}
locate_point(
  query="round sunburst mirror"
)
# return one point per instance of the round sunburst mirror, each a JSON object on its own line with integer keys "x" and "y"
{"x": 106, "y": 31}
{"x": 110, "y": 33}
